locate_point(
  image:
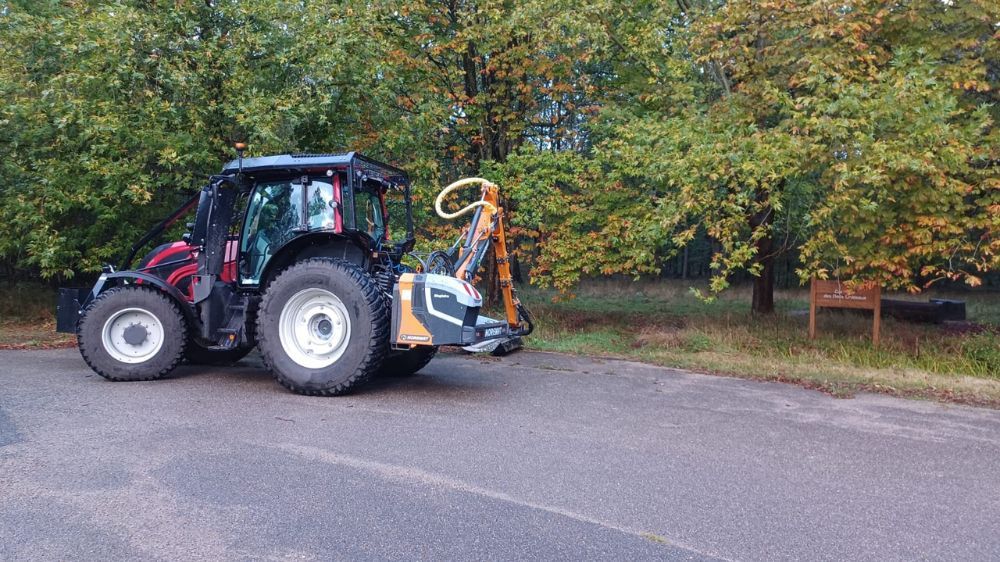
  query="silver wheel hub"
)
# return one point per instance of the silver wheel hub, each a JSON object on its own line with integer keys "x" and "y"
{"x": 132, "y": 335}
{"x": 314, "y": 328}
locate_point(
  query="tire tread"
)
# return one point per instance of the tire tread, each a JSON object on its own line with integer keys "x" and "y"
{"x": 377, "y": 345}
{"x": 110, "y": 294}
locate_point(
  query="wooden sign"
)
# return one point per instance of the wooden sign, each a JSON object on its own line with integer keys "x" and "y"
{"x": 835, "y": 294}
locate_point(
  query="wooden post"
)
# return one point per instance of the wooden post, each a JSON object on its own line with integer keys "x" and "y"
{"x": 812, "y": 309}
{"x": 877, "y": 321}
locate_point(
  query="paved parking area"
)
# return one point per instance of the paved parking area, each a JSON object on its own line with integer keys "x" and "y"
{"x": 535, "y": 455}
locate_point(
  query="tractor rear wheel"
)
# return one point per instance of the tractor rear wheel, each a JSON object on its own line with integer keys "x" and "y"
{"x": 323, "y": 327}
{"x": 406, "y": 363}
{"x": 132, "y": 333}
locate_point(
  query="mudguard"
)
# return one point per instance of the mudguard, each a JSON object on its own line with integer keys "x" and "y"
{"x": 70, "y": 298}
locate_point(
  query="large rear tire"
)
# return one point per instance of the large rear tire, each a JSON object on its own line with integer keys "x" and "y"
{"x": 132, "y": 333}
{"x": 407, "y": 363}
{"x": 323, "y": 327}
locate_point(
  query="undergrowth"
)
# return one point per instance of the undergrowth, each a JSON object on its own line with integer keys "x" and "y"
{"x": 665, "y": 323}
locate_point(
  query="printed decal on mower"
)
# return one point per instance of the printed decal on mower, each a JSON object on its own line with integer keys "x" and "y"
{"x": 408, "y": 337}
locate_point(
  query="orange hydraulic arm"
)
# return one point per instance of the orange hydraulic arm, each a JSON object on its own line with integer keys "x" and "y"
{"x": 486, "y": 231}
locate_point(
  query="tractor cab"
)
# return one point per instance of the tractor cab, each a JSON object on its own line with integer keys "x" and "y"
{"x": 291, "y": 198}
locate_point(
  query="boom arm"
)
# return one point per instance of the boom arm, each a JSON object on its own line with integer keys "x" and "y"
{"x": 487, "y": 229}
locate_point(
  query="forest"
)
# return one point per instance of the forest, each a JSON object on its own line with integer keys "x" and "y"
{"x": 735, "y": 141}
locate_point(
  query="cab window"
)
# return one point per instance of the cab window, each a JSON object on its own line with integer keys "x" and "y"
{"x": 368, "y": 216}
{"x": 274, "y": 217}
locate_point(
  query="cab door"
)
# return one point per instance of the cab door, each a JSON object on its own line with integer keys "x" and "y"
{"x": 281, "y": 210}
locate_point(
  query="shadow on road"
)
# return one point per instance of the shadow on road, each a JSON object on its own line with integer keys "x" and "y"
{"x": 435, "y": 380}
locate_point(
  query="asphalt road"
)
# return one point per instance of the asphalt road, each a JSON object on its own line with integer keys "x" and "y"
{"x": 531, "y": 456}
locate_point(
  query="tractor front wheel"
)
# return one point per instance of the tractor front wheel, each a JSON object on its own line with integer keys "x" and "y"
{"x": 323, "y": 327}
{"x": 132, "y": 333}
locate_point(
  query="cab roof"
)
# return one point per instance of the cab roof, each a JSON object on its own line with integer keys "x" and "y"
{"x": 292, "y": 163}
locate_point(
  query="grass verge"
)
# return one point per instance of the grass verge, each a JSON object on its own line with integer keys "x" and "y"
{"x": 27, "y": 318}
{"x": 665, "y": 324}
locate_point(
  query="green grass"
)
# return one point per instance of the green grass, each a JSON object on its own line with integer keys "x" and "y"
{"x": 666, "y": 324}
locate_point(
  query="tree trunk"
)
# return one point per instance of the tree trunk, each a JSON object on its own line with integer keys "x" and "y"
{"x": 763, "y": 284}
{"x": 515, "y": 268}
{"x": 492, "y": 277}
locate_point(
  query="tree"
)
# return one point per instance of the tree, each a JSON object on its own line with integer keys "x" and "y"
{"x": 492, "y": 75}
{"x": 474, "y": 80}
{"x": 809, "y": 134}
{"x": 578, "y": 220}
{"x": 114, "y": 111}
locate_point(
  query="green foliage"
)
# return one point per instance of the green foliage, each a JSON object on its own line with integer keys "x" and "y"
{"x": 983, "y": 351}
{"x": 478, "y": 78}
{"x": 116, "y": 110}
{"x": 580, "y": 221}
{"x": 855, "y": 133}
{"x": 860, "y": 136}
{"x": 909, "y": 178}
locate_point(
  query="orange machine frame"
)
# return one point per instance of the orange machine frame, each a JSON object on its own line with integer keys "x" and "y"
{"x": 489, "y": 222}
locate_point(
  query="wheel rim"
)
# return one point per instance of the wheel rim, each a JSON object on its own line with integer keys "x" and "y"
{"x": 132, "y": 335}
{"x": 314, "y": 328}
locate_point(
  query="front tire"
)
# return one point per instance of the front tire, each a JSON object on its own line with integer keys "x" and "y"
{"x": 132, "y": 333}
{"x": 323, "y": 327}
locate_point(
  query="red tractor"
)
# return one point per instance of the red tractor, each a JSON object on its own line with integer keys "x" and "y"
{"x": 300, "y": 256}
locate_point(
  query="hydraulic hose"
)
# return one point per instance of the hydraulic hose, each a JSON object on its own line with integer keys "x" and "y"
{"x": 468, "y": 208}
